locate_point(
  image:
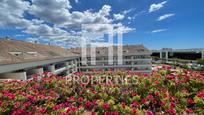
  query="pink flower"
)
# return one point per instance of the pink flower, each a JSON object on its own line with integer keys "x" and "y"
{"x": 31, "y": 98}
{"x": 115, "y": 113}
{"x": 71, "y": 98}
{"x": 150, "y": 97}
{"x": 19, "y": 112}
{"x": 43, "y": 110}
{"x": 9, "y": 95}
{"x": 17, "y": 104}
{"x": 80, "y": 99}
{"x": 106, "y": 113}
{"x": 27, "y": 104}
{"x": 201, "y": 94}
{"x": 172, "y": 111}
{"x": 73, "y": 109}
{"x": 105, "y": 106}
{"x": 88, "y": 105}
{"x": 56, "y": 107}
{"x": 149, "y": 113}
{"x": 134, "y": 104}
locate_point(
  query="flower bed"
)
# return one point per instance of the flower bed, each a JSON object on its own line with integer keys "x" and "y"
{"x": 165, "y": 91}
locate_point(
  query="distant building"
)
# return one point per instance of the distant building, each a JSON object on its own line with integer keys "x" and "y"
{"x": 186, "y": 54}
{"x": 134, "y": 58}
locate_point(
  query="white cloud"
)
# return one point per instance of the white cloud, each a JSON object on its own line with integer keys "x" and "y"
{"x": 76, "y": 1}
{"x": 118, "y": 16}
{"x": 105, "y": 10}
{"x": 158, "y": 30}
{"x": 44, "y": 30}
{"x": 155, "y": 7}
{"x": 129, "y": 18}
{"x": 55, "y": 11}
{"x": 53, "y": 20}
{"x": 127, "y": 11}
{"x": 165, "y": 16}
{"x": 123, "y": 28}
{"x": 136, "y": 14}
{"x": 11, "y": 13}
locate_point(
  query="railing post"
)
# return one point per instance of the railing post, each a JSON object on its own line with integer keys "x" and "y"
{"x": 51, "y": 68}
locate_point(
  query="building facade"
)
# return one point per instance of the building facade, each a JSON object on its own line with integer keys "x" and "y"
{"x": 21, "y": 60}
{"x": 135, "y": 58}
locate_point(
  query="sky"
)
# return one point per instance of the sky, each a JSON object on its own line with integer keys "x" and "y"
{"x": 156, "y": 24}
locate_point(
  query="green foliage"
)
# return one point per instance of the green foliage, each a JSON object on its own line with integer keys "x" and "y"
{"x": 201, "y": 61}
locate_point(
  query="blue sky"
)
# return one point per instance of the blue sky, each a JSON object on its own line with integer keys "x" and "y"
{"x": 153, "y": 23}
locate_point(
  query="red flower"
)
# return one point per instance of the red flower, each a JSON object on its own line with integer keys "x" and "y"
{"x": 73, "y": 109}
{"x": 172, "y": 111}
{"x": 27, "y": 104}
{"x": 115, "y": 113}
{"x": 56, "y": 107}
{"x": 172, "y": 105}
{"x": 189, "y": 110}
{"x": 105, "y": 106}
{"x": 31, "y": 98}
{"x": 19, "y": 112}
{"x": 43, "y": 110}
{"x": 17, "y": 104}
{"x": 145, "y": 101}
{"x": 123, "y": 105}
{"x": 9, "y": 95}
{"x": 106, "y": 113}
{"x": 134, "y": 111}
{"x": 162, "y": 103}
{"x": 134, "y": 104}
{"x": 150, "y": 97}
{"x": 80, "y": 99}
{"x": 157, "y": 94}
{"x": 201, "y": 94}
{"x": 190, "y": 101}
{"x": 134, "y": 94}
{"x": 71, "y": 98}
{"x": 88, "y": 105}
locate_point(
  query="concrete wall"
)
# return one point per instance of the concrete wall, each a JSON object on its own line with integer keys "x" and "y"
{"x": 35, "y": 71}
{"x": 71, "y": 66}
{"x": 14, "y": 75}
{"x": 51, "y": 68}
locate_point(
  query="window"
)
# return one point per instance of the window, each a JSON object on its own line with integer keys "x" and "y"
{"x": 16, "y": 53}
{"x": 124, "y": 51}
{"x": 32, "y": 53}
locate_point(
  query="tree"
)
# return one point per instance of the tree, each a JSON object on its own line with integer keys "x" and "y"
{"x": 201, "y": 61}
